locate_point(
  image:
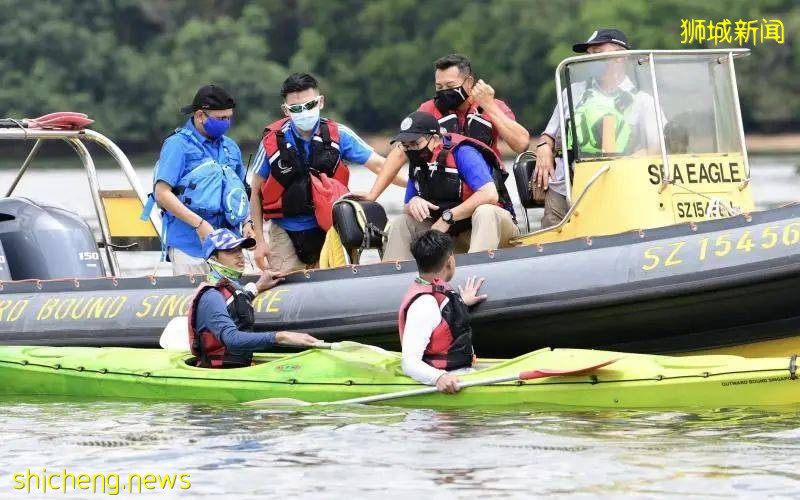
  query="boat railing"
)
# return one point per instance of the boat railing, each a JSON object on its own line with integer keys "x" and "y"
{"x": 76, "y": 139}
{"x": 572, "y": 209}
{"x": 649, "y": 57}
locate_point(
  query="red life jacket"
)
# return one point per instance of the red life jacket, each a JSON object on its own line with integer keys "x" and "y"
{"x": 287, "y": 190}
{"x": 450, "y": 346}
{"x": 210, "y": 351}
{"x": 476, "y": 125}
{"x": 441, "y": 184}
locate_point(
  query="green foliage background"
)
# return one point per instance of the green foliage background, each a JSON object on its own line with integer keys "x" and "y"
{"x": 130, "y": 64}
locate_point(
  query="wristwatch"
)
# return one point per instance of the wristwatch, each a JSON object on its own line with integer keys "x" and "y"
{"x": 447, "y": 216}
{"x": 252, "y": 290}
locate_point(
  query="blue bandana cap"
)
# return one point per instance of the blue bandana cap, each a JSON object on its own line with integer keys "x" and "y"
{"x": 224, "y": 239}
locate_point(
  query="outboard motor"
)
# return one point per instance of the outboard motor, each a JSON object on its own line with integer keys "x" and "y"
{"x": 45, "y": 242}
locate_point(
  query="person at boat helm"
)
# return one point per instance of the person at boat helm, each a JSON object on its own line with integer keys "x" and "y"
{"x": 465, "y": 105}
{"x": 188, "y": 182}
{"x": 221, "y": 315}
{"x": 293, "y": 149}
{"x": 456, "y": 185}
{"x": 433, "y": 320}
{"x": 612, "y": 91}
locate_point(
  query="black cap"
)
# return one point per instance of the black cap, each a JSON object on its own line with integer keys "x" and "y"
{"x": 416, "y": 125}
{"x": 210, "y": 97}
{"x": 605, "y": 35}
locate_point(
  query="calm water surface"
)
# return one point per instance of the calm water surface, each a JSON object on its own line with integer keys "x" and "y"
{"x": 385, "y": 452}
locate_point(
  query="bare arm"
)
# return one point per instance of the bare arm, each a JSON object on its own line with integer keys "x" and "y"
{"x": 262, "y": 249}
{"x": 167, "y": 200}
{"x": 376, "y": 163}
{"x": 487, "y": 195}
{"x": 515, "y": 135}
{"x": 389, "y": 170}
{"x": 545, "y": 162}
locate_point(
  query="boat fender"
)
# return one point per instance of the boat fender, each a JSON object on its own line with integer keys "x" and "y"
{"x": 793, "y": 367}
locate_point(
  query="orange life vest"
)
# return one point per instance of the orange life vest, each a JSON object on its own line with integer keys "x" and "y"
{"x": 210, "y": 351}
{"x": 450, "y": 346}
{"x": 287, "y": 190}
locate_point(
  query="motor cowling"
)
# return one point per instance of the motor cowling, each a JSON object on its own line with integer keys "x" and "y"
{"x": 46, "y": 242}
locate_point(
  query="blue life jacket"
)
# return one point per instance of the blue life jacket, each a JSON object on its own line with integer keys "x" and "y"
{"x": 211, "y": 188}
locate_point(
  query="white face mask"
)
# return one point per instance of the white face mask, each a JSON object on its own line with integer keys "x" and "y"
{"x": 305, "y": 120}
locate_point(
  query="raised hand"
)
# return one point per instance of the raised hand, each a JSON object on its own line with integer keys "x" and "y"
{"x": 482, "y": 94}
{"x": 469, "y": 293}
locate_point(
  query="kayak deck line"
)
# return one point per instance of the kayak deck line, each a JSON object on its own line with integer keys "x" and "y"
{"x": 593, "y": 379}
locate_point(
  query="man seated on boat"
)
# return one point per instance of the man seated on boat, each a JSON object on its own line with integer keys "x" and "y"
{"x": 456, "y": 185}
{"x": 611, "y": 91}
{"x": 433, "y": 319}
{"x": 195, "y": 194}
{"x": 293, "y": 149}
{"x": 221, "y": 316}
{"x": 463, "y": 105}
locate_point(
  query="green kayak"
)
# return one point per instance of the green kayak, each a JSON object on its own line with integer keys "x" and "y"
{"x": 632, "y": 381}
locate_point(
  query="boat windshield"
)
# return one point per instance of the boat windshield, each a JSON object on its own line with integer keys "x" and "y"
{"x": 611, "y": 108}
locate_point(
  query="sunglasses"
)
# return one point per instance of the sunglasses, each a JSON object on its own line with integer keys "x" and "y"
{"x": 306, "y": 106}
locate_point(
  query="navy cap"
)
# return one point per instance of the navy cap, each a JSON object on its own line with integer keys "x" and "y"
{"x": 604, "y": 35}
{"x": 210, "y": 97}
{"x": 416, "y": 125}
{"x": 224, "y": 239}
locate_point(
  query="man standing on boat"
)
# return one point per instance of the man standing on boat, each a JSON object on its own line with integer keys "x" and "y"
{"x": 455, "y": 186}
{"x": 221, "y": 316}
{"x": 199, "y": 180}
{"x": 433, "y": 320}
{"x": 633, "y": 108}
{"x": 464, "y": 105}
{"x": 294, "y": 153}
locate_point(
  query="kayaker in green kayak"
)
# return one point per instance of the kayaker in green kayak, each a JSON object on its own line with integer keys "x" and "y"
{"x": 221, "y": 316}
{"x": 433, "y": 319}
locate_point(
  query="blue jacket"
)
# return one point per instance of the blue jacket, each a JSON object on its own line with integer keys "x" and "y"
{"x": 182, "y": 152}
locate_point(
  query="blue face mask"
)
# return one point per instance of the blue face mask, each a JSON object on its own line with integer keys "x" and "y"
{"x": 216, "y": 128}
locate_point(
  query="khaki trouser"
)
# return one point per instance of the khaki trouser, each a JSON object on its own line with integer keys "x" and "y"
{"x": 282, "y": 256}
{"x": 492, "y": 227}
{"x": 555, "y": 208}
{"x": 183, "y": 263}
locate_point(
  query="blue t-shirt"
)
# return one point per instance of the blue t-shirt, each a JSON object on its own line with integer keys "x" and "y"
{"x": 179, "y": 155}
{"x": 212, "y": 315}
{"x": 472, "y": 168}
{"x": 352, "y": 147}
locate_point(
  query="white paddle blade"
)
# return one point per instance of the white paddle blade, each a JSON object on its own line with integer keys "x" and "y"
{"x": 175, "y": 336}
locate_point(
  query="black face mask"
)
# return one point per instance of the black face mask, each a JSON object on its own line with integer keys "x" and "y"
{"x": 419, "y": 156}
{"x": 449, "y": 99}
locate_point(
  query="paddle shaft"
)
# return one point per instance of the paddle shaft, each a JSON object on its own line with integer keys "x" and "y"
{"x": 420, "y": 392}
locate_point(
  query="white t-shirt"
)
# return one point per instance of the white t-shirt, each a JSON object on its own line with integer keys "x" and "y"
{"x": 642, "y": 117}
{"x": 423, "y": 316}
